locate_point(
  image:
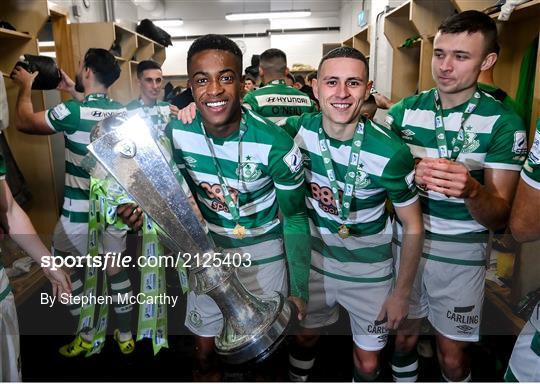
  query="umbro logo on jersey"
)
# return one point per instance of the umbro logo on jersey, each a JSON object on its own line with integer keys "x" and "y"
{"x": 407, "y": 134}
{"x": 464, "y": 328}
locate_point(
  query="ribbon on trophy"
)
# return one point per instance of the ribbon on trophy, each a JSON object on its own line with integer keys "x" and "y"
{"x": 96, "y": 226}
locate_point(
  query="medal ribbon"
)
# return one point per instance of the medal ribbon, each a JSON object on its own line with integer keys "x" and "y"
{"x": 442, "y": 145}
{"x": 234, "y": 208}
{"x": 352, "y": 169}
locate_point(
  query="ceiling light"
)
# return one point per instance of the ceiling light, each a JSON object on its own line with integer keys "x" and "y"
{"x": 268, "y": 15}
{"x": 168, "y": 23}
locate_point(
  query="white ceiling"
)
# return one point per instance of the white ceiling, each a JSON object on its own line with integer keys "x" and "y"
{"x": 217, "y": 9}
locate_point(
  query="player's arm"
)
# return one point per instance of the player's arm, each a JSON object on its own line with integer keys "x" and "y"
{"x": 26, "y": 120}
{"x": 525, "y": 216}
{"x": 291, "y": 125}
{"x": 286, "y": 169}
{"x": 18, "y": 225}
{"x": 398, "y": 180}
{"x": 411, "y": 248}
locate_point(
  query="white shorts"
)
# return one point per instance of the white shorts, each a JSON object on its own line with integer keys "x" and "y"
{"x": 363, "y": 302}
{"x": 203, "y": 316}
{"x": 9, "y": 341}
{"x": 450, "y": 296}
{"x": 72, "y": 238}
{"x": 524, "y": 363}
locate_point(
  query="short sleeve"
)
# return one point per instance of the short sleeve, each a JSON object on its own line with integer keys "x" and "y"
{"x": 531, "y": 168}
{"x": 285, "y": 162}
{"x": 65, "y": 117}
{"x": 508, "y": 146}
{"x": 398, "y": 178}
{"x": 394, "y": 119}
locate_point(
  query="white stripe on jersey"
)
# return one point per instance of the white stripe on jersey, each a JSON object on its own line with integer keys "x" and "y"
{"x": 507, "y": 167}
{"x": 98, "y": 114}
{"x": 436, "y": 196}
{"x": 243, "y": 186}
{"x": 80, "y": 137}
{"x": 75, "y": 205}
{"x": 405, "y": 203}
{"x": 373, "y": 164}
{"x": 451, "y": 227}
{"x": 251, "y": 208}
{"x": 264, "y": 250}
{"x": 533, "y": 183}
{"x": 424, "y": 119}
{"x": 473, "y": 161}
{"x": 352, "y": 269}
{"x": 353, "y": 242}
{"x": 361, "y": 216}
{"x": 77, "y": 182}
{"x": 196, "y": 143}
{"x": 322, "y": 180}
{"x": 288, "y": 187}
{"x": 250, "y": 232}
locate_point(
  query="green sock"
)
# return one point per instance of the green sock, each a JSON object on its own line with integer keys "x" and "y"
{"x": 405, "y": 366}
{"x": 361, "y": 377}
{"x": 121, "y": 286}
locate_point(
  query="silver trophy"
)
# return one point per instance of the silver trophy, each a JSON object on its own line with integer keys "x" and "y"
{"x": 127, "y": 149}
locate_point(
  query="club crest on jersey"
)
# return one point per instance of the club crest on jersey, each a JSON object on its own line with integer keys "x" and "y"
{"x": 362, "y": 180}
{"x": 470, "y": 143}
{"x": 249, "y": 171}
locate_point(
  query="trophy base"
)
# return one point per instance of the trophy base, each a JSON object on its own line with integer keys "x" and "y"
{"x": 261, "y": 345}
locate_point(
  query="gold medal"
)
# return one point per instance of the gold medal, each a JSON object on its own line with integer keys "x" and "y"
{"x": 239, "y": 231}
{"x": 343, "y": 231}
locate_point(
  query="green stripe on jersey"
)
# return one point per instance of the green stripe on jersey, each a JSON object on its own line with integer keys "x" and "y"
{"x": 76, "y": 119}
{"x": 386, "y": 171}
{"x": 495, "y": 137}
{"x": 269, "y": 159}
{"x": 277, "y": 101}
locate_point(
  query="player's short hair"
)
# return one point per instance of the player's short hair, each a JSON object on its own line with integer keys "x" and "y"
{"x": 471, "y": 22}
{"x": 346, "y": 52}
{"x": 103, "y": 64}
{"x": 145, "y": 65}
{"x": 215, "y": 42}
{"x": 273, "y": 61}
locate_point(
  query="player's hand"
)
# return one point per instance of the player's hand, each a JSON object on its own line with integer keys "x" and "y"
{"x": 394, "y": 311}
{"x": 187, "y": 114}
{"x": 450, "y": 178}
{"x": 174, "y": 110}
{"x": 131, "y": 215}
{"x": 422, "y": 166}
{"x": 66, "y": 84}
{"x": 22, "y": 77}
{"x": 300, "y": 305}
{"x": 382, "y": 101}
{"x": 60, "y": 280}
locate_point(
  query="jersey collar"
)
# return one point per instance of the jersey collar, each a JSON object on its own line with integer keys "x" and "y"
{"x": 277, "y": 82}
{"x": 95, "y": 96}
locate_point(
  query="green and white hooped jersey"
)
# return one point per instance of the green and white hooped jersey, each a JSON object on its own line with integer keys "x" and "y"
{"x": 386, "y": 171}
{"x": 5, "y": 288}
{"x": 75, "y": 119}
{"x": 269, "y": 163}
{"x": 495, "y": 137}
{"x": 159, "y": 114}
{"x": 531, "y": 175}
{"x": 277, "y": 101}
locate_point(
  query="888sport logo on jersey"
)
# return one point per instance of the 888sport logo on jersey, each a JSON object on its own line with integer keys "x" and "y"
{"x": 324, "y": 197}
